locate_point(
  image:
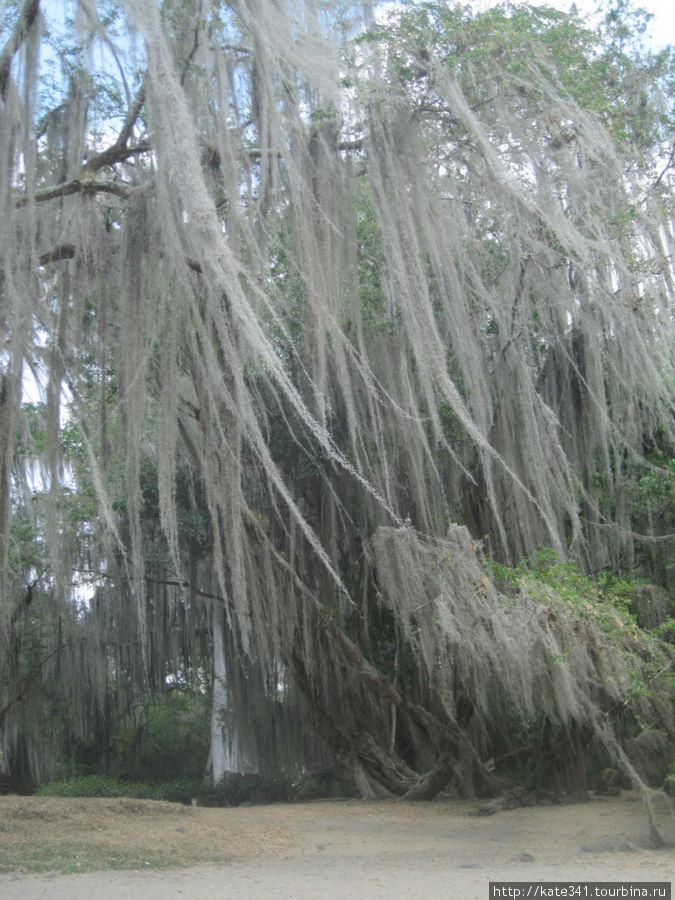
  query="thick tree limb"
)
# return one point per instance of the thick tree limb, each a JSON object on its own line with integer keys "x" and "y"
{"x": 114, "y": 155}
{"x": 78, "y": 186}
{"x": 118, "y": 152}
{"x": 377, "y": 771}
{"x": 430, "y": 784}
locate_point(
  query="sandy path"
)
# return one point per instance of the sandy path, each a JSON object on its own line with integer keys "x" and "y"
{"x": 357, "y": 850}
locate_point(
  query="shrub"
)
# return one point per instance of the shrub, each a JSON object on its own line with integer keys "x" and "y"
{"x": 233, "y": 790}
{"x": 84, "y": 786}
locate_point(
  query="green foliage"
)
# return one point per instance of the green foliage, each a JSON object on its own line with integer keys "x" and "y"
{"x": 286, "y": 321}
{"x": 543, "y": 575}
{"x": 90, "y": 786}
{"x": 376, "y": 312}
{"x": 604, "y": 70}
{"x": 167, "y": 738}
{"x": 177, "y": 790}
{"x": 652, "y": 485}
{"x": 547, "y": 70}
{"x": 604, "y": 600}
{"x": 233, "y": 790}
{"x": 26, "y": 551}
{"x": 669, "y": 785}
{"x": 666, "y": 630}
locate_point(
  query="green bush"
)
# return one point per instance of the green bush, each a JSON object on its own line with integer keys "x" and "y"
{"x": 86, "y": 786}
{"x": 180, "y": 790}
{"x": 233, "y": 790}
{"x": 169, "y": 740}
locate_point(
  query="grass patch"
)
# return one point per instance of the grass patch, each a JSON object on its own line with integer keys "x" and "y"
{"x": 179, "y": 790}
{"x": 26, "y": 855}
{"x": 85, "y": 834}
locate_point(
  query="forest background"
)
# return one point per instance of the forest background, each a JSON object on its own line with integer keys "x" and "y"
{"x": 336, "y": 397}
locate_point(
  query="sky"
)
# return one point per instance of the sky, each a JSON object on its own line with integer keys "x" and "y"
{"x": 661, "y": 29}
{"x": 663, "y": 25}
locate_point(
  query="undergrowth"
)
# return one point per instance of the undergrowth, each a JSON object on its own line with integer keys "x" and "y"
{"x": 233, "y": 790}
{"x": 591, "y": 604}
{"x": 606, "y": 598}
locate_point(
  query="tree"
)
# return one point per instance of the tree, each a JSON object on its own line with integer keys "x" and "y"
{"x": 314, "y": 300}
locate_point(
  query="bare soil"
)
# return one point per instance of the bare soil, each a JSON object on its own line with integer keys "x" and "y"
{"x": 335, "y": 849}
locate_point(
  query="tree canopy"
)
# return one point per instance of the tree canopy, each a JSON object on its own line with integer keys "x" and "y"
{"x": 313, "y": 318}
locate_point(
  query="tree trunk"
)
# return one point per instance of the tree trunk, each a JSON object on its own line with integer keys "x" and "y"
{"x": 229, "y": 752}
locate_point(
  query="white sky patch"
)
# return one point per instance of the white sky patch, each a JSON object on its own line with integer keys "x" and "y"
{"x": 660, "y": 31}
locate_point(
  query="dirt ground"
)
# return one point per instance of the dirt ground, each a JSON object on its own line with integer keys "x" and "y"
{"x": 334, "y": 849}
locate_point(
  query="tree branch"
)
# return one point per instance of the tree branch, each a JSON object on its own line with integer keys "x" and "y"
{"x": 195, "y": 46}
{"x": 78, "y": 186}
{"x": 667, "y": 166}
{"x": 119, "y": 150}
{"x": 61, "y": 251}
{"x": 172, "y": 582}
{"x": 356, "y": 144}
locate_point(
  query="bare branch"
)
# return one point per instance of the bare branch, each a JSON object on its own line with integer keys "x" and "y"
{"x": 79, "y": 186}
{"x": 668, "y": 165}
{"x": 195, "y": 47}
{"x": 119, "y": 150}
{"x": 115, "y": 154}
